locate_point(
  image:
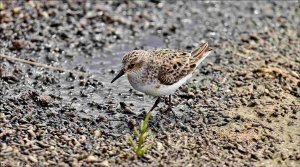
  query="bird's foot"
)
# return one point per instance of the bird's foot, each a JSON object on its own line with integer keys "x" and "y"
{"x": 171, "y": 110}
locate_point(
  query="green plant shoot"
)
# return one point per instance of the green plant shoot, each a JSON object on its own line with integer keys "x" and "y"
{"x": 140, "y": 148}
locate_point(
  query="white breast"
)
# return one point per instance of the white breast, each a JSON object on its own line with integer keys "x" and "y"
{"x": 169, "y": 89}
{"x": 154, "y": 90}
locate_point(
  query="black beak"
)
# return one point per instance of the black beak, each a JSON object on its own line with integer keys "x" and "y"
{"x": 118, "y": 76}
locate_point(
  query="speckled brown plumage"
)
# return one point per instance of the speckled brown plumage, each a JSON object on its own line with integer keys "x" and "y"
{"x": 160, "y": 71}
{"x": 170, "y": 65}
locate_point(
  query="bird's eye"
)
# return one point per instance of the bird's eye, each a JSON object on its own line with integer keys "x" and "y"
{"x": 131, "y": 66}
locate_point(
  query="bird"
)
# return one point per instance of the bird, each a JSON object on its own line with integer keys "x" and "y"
{"x": 160, "y": 72}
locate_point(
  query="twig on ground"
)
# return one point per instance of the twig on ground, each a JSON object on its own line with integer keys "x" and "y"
{"x": 41, "y": 65}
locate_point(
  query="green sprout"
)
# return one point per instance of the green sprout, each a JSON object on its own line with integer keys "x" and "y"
{"x": 1, "y": 5}
{"x": 141, "y": 135}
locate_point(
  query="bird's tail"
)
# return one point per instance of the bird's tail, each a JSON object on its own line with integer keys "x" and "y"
{"x": 200, "y": 53}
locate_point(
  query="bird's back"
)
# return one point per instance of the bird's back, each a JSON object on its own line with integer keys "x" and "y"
{"x": 173, "y": 65}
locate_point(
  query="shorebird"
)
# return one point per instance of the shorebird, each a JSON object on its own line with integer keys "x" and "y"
{"x": 160, "y": 72}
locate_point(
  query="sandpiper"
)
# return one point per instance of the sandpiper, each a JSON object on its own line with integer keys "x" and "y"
{"x": 161, "y": 72}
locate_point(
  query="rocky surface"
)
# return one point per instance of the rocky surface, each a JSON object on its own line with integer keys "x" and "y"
{"x": 242, "y": 107}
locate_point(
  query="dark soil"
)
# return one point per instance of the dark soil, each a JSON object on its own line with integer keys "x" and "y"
{"x": 242, "y": 108}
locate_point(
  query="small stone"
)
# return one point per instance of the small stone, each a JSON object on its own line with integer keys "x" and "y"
{"x": 160, "y": 146}
{"x": 284, "y": 156}
{"x": 66, "y": 138}
{"x": 104, "y": 163}
{"x": 140, "y": 94}
{"x": 128, "y": 110}
{"x": 191, "y": 94}
{"x": 82, "y": 82}
{"x": 32, "y": 158}
{"x": 294, "y": 74}
{"x": 45, "y": 100}
{"x": 32, "y": 134}
{"x": 82, "y": 138}
{"x": 10, "y": 79}
{"x": 16, "y": 10}
{"x": 97, "y": 133}
{"x": 91, "y": 158}
{"x": 83, "y": 22}
{"x": 76, "y": 143}
{"x": 32, "y": 4}
{"x": 19, "y": 44}
{"x": 44, "y": 14}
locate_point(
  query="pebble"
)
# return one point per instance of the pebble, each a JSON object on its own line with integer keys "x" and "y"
{"x": 104, "y": 163}
{"x": 82, "y": 138}
{"x": 32, "y": 134}
{"x": 19, "y": 44}
{"x": 91, "y": 158}
{"x": 97, "y": 133}
{"x": 160, "y": 146}
{"x": 32, "y": 158}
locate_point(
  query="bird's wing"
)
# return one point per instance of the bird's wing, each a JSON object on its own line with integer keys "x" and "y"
{"x": 200, "y": 53}
{"x": 177, "y": 64}
{"x": 173, "y": 65}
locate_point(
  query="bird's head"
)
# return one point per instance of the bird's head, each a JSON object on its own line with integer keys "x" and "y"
{"x": 131, "y": 63}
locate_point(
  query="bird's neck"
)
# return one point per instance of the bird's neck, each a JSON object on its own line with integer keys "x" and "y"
{"x": 135, "y": 77}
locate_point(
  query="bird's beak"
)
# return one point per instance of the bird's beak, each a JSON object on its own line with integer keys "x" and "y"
{"x": 122, "y": 72}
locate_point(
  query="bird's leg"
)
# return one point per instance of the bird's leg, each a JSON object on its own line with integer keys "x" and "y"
{"x": 170, "y": 106}
{"x": 155, "y": 104}
{"x": 170, "y": 102}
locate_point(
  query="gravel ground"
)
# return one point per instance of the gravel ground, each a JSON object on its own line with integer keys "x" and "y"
{"x": 242, "y": 108}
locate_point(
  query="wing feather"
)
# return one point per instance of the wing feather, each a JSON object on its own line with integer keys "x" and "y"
{"x": 173, "y": 66}
{"x": 178, "y": 64}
